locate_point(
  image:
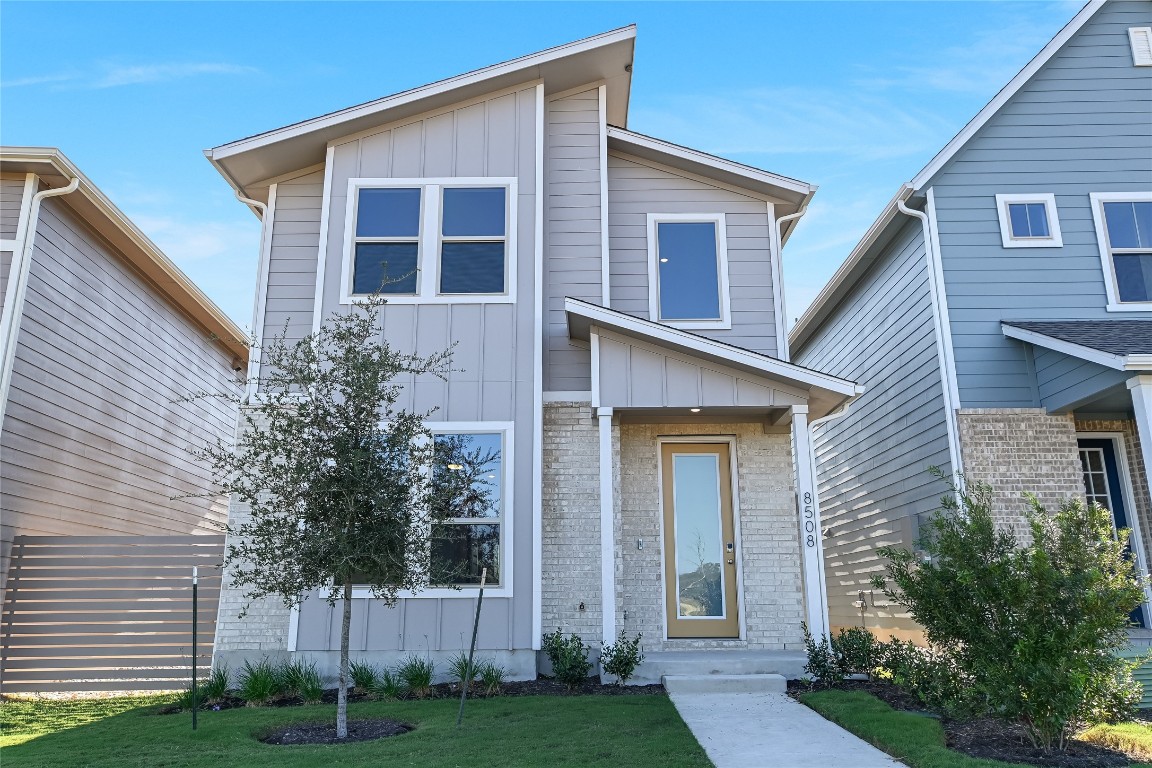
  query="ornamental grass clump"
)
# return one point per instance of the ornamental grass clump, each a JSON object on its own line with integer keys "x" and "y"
{"x": 259, "y": 683}
{"x": 301, "y": 678}
{"x": 1033, "y": 626}
{"x": 387, "y": 687}
{"x": 416, "y": 675}
{"x": 364, "y": 676}
{"x": 491, "y": 678}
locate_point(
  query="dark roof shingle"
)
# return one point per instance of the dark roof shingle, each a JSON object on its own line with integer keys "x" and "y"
{"x": 1116, "y": 337}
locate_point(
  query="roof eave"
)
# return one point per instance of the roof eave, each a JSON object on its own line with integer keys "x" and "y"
{"x": 51, "y": 165}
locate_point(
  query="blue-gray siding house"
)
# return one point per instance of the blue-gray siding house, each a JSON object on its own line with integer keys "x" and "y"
{"x": 999, "y": 314}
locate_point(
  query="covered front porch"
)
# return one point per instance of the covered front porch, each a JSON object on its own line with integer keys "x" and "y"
{"x": 710, "y": 541}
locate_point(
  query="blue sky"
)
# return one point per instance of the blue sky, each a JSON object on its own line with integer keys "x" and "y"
{"x": 853, "y": 96}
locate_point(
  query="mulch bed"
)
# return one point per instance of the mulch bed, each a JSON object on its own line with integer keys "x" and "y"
{"x": 542, "y": 686}
{"x": 325, "y": 733}
{"x": 984, "y": 738}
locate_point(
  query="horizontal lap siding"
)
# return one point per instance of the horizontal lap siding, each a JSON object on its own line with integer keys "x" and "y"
{"x": 635, "y": 190}
{"x": 11, "y": 196}
{"x": 571, "y": 231}
{"x": 94, "y": 441}
{"x": 872, "y": 464}
{"x": 1083, "y": 124}
{"x": 1063, "y": 381}
{"x": 493, "y": 352}
{"x": 292, "y": 259}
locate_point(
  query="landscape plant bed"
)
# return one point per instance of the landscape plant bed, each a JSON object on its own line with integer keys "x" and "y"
{"x": 541, "y": 686}
{"x": 325, "y": 733}
{"x": 980, "y": 738}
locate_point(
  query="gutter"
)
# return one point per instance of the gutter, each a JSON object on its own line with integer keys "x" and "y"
{"x": 778, "y": 241}
{"x": 17, "y": 289}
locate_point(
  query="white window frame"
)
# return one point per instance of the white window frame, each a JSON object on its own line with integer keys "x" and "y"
{"x": 1098, "y": 199}
{"x": 1048, "y": 199}
{"x": 720, "y": 222}
{"x": 430, "y": 238}
{"x": 505, "y": 521}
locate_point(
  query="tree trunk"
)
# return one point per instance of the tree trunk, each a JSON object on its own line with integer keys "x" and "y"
{"x": 342, "y": 696}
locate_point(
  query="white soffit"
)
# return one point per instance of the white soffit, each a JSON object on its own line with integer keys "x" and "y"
{"x": 605, "y": 57}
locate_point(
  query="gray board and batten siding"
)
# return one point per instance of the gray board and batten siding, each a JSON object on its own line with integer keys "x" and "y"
{"x": 494, "y": 352}
{"x": 1081, "y": 124}
{"x": 94, "y": 440}
{"x": 637, "y": 188}
{"x": 873, "y": 463}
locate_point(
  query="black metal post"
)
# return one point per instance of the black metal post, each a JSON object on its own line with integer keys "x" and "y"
{"x": 194, "y": 606}
{"x": 472, "y": 649}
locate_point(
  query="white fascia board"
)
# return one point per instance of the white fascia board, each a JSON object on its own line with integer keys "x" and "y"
{"x": 1106, "y": 359}
{"x": 609, "y": 318}
{"x": 415, "y": 94}
{"x": 1007, "y": 92}
{"x": 711, "y": 161}
{"x": 824, "y": 302}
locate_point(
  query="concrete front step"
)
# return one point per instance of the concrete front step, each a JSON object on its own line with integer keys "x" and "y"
{"x": 725, "y": 683}
{"x": 657, "y": 664}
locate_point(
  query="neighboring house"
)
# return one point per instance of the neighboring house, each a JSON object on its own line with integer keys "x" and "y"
{"x": 100, "y": 335}
{"x": 999, "y": 313}
{"x": 617, "y": 308}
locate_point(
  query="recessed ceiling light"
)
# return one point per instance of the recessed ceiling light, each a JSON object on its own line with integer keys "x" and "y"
{"x": 694, "y": 410}
{"x": 663, "y": 261}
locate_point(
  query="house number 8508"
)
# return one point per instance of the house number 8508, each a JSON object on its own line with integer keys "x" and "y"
{"x": 809, "y": 521}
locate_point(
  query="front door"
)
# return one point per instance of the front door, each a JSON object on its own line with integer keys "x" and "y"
{"x": 699, "y": 540}
{"x": 1102, "y": 485}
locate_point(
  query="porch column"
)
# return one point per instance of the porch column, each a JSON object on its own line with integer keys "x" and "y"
{"x": 1141, "y": 389}
{"x": 811, "y": 544}
{"x": 607, "y": 539}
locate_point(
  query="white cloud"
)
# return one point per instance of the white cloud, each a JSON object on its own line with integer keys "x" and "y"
{"x": 109, "y": 75}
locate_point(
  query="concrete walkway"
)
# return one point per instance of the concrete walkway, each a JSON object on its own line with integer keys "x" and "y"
{"x": 771, "y": 730}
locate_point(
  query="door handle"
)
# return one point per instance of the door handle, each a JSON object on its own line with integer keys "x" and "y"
{"x": 731, "y": 561}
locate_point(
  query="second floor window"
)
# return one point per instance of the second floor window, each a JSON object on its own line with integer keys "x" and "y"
{"x": 688, "y": 270}
{"x": 430, "y": 240}
{"x": 1028, "y": 221}
{"x": 1124, "y": 233}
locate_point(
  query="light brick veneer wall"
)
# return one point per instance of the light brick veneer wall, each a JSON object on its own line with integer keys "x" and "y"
{"x": 1018, "y": 451}
{"x": 570, "y": 552}
{"x": 264, "y": 629}
{"x": 770, "y": 551}
{"x": 1136, "y": 469}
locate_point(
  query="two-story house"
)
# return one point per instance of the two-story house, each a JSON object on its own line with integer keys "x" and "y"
{"x": 999, "y": 312}
{"x": 617, "y": 307}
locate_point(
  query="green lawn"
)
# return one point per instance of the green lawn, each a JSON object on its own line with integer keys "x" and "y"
{"x": 503, "y": 731}
{"x": 915, "y": 740}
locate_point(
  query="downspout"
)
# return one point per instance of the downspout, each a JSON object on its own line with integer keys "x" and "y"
{"x": 932, "y": 261}
{"x": 253, "y": 362}
{"x": 778, "y": 279}
{"x": 14, "y": 311}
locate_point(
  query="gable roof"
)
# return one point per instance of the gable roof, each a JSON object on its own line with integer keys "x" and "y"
{"x": 94, "y": 207}
{"x": 826, "y": 392}
{"x": 1120, "y": 344}
{"x": 607, "y": 57}
{"x": 881, "y": 229}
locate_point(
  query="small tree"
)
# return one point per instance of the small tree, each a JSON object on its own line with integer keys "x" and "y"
{"x": 1035, "y": 627}
{"x": 343, "y": 487}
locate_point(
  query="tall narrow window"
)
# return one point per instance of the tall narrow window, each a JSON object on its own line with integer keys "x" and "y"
{"x": 689, "y": 275}
{"x": 473, "y": 240}
{"x": 387, "y": 243}
{"x": 470, "y": 466}
{"x": 1124, "y": 229}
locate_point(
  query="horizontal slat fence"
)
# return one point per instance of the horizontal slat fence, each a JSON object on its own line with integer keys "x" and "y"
{"x": 101, "y": 613}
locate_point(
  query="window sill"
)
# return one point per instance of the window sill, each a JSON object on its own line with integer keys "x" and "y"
{"x": 1142, "y": 306}
{"x": 456, "y": 298}
{"x": 1047, "y": 242}
{"x": 694, "y": 325}
{"x": 363, "y": 593}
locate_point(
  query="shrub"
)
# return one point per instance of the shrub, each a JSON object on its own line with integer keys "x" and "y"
{"x": 491, "y": 677}
{"x": 364, "y": 676}
{"x": 215, "y": 687}
{"x": 1035, "y": 626}
{"x": 821, "y": 663}
{"x": 416, "y": 676}
{"x": 259, "y": 683}
{"x": 569, "y": 658}
{"x": 387, "y": 686}
{"x": 855, "y": 649}
{"x": 622, "y": 657}
{"x": 458, "y": 666}
{"x": 931, "y": 675}
{"x": 300, "y": 678}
